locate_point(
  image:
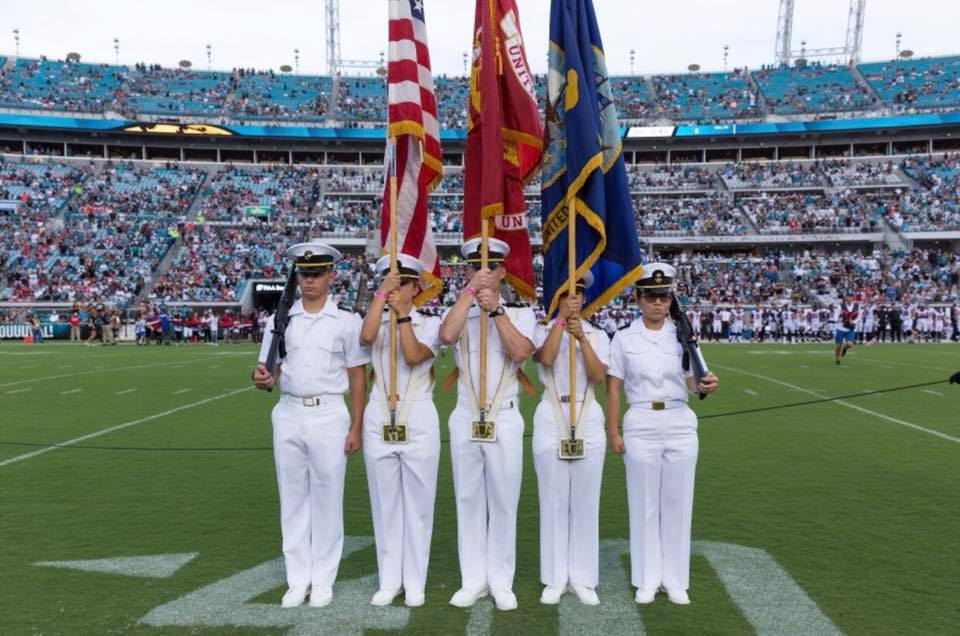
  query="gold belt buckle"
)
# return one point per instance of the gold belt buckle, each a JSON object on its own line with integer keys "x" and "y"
{"x": 657, "y": 405}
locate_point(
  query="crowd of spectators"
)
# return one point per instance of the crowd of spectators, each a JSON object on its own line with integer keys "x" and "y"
{"x": 709, "y": 215}
{"x": 806, "y": 213}
{"x": 926, "y": 83}
{"x": 705, "y": 96}
{"x": 860, "y": 173}
{"x": 811, "y": 88}
{"x": 289, "y": 193}
{"x": 770, "y": 174}
{"x": 666, "y": 178}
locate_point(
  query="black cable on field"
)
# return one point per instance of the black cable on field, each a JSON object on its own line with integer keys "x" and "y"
{"x": 214, "y": 449}
{"x": 820, "y": 400}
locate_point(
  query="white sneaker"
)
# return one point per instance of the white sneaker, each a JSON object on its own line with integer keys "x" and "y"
{"x": 551, "y": 595}
{"x": 505, "y": 600}
{"x": 466, "y": 598}
{"x": 645, "y": 597}
{"x": 414, "y": 600}
{"x": 384, "y": 597}
{"x": 294, "y": 597}
{"x": 587, "y": 595}
{"x": 321, "y": 597}
{"x": 678, "y": 597}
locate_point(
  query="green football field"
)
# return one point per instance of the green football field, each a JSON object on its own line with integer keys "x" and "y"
{"x": 839, "y": 517}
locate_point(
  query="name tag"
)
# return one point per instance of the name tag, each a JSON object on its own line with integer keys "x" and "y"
{"x": 571, "y": 448}
{"x": 395, "y": 434}
{"x": 483, "y": 431}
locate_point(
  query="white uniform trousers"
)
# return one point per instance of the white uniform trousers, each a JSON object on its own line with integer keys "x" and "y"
{"x": 308, "y": 449}
{"x": 569, "y": 492}
{"x": 486, "y": 483}
{"x": 661, "y": 460}
{"x": 402, "y": 480}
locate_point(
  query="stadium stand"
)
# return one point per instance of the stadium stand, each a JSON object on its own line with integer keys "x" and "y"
{"x": 705, "y": 96}
{"x": 157, "y": 90}
{"x": 811, "y": 88}
{"x": 59, "y": 85}
{"x": 785, "y": 175}
{"x": 362, "y": 99}
{"x": 927, "y": 83}
{"x": 289, "y": 193}
{"x": 265, "y": 95}
{"x": 709, "y": 215}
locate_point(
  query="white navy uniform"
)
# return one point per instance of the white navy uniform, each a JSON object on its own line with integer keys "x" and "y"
{"x": 486, "y": 475}
{"x": 661, "y": 449}
{"x": 569, "y": 490}
{"x": 402, "y": 477}
{"x": 310, "y": 425}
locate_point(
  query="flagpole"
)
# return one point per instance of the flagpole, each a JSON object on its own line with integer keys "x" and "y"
{"x": 484, "y": 264}
{"x": 572, "y": 290}
{"x": 393, "y": 397}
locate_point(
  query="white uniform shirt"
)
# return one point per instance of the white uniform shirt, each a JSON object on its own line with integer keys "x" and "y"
{"x": 498, "y": 364}
{"x": 427, "y": 331}
{"x": 561, "y": 366}
{"x": 320, "y": 348}
{"x": 650, "y": 363}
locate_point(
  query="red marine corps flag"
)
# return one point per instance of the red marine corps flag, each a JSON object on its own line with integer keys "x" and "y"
{"x": 504, "y": 137}
{"x": 413, "y": 125}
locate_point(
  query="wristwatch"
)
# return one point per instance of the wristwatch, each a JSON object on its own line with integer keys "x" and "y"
{"x": 499, "y": 311}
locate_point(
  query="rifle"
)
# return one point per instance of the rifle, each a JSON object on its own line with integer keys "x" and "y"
{"x": 691, "y": 348}
{"x": 280, "y": 320}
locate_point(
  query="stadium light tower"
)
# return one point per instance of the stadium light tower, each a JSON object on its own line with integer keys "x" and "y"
{"x": 899, "y": 36}
{"x": 726, "y": 53}
{"x": 116, "y": 50}
{"x": 16, "y": 41}
{"x": 633, "y": 55}
{"x": 335, "y": 63}
{"x": 296, "y": 59}
{"x": 850, "y": 51}
{"x": 209, "y": 57}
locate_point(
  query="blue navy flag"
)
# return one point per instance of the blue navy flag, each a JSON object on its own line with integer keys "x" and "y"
{"x": 583, "y": 163}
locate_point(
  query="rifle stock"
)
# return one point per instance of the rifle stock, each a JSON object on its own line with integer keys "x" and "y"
{"x": 280, "y": 320}
{"x": 691, "y": 348}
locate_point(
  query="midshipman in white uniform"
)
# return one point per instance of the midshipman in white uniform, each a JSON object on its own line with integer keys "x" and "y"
{"x": 486, "y": 440}
{"x": 402, "y": 455}
{"x": 313, "y": 432}
{"x": 568, "y": 482}
{"x": 659, "y": 439}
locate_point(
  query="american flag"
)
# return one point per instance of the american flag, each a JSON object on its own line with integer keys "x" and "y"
{"x": 412, "y": 108}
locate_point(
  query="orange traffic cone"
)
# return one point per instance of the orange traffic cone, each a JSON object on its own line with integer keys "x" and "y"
{"x": 28, "y": 339}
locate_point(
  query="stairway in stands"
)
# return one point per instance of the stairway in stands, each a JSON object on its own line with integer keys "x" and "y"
{"x": 171, "y": 256}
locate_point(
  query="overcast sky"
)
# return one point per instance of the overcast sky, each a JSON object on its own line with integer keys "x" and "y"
{"x": 667, "y": 34}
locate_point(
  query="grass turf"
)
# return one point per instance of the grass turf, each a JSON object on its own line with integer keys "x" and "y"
{"x": 858, "y": 509}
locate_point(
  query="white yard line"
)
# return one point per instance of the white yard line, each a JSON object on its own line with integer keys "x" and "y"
{"x": 18, "y": 391}
{"x": 111, "y": 429}
{"x": 124, "y": 392}
{"x": 751, "y": 392}
{"x": 931, "y": 392}
{"x": 70, "y": 392}
{"x": 883, "y": 416}
{"x": 181, "y": 391}
{"x": 95, "y": 372}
